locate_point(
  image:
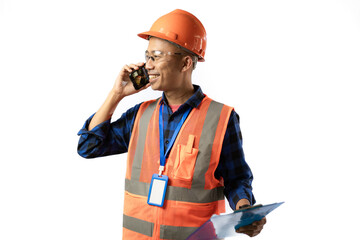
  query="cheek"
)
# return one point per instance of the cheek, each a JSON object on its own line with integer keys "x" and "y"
{"x": 172, "y": 69}
{"x": 168, "y": 72}
{"x": 164, "y": 71}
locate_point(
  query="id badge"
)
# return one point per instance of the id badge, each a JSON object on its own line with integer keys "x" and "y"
{"x": 157, "y": 190}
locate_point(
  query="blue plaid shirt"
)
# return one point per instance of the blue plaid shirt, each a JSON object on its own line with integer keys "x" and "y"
{"x": 113, "y": 138}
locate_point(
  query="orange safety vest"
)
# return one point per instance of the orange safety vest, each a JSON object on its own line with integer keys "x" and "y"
{"x": 193, "y": 193}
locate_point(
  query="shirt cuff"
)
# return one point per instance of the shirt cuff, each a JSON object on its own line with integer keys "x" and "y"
{"x": 100, "y": 130}
{"x": 235, "y": 196}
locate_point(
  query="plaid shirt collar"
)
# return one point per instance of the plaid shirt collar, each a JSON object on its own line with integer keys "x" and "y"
{"x": 194, "y": 101}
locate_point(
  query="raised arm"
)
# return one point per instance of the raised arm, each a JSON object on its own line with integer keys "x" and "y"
{"x": 122, "y": 88}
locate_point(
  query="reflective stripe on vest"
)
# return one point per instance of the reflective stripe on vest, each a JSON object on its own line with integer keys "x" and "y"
{"x": 193, "y": 193}
{"x": 138, "y": 225}
{"x": 144, "y": 121}
{"x": 178, "y": 193}
{"x": 171, "y": 232}
{"x": 166, "y": 232}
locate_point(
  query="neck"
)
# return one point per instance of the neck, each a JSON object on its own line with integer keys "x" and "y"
{"x": 179, "y": 97}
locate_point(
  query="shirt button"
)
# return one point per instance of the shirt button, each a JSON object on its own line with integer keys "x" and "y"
{"x": 167, "y": 142}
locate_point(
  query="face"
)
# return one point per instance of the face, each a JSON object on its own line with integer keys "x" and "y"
{"x": 164, "y": 65}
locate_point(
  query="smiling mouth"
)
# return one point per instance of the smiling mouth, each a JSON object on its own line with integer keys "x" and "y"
{"x": 153, "y": 77}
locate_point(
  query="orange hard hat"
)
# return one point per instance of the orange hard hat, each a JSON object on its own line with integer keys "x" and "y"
{"x": 182, "y": 28}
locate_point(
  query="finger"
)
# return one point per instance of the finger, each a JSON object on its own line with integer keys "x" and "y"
{"x": 250, "y": 229}
{"x": 253, "y": 229}
{"x": 250, "y": 233}
{"x": 131, "y": 67}
{"x": 257, "y": 223}
{"x": 134, "y": 66}
{"x": 140, "y": 64}
{"x": 253, "y": 234}
{"x": 263, "y": 220}
{"x": 127, "y": 68}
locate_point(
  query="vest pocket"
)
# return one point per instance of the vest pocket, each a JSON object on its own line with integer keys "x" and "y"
{"x": 185, "y": 160}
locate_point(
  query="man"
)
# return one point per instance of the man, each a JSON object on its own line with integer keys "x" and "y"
{"x": 184, "y": 145}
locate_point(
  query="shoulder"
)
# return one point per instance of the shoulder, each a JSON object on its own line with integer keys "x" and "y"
{"x": 135, "y": 109}
{"x": 225, "y": 107}
{"x": 233, "y": 116}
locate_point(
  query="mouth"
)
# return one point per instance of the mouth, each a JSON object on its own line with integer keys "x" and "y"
{"x": 153, "y": 77}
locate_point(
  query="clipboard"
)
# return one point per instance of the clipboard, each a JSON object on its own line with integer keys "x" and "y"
{"x": 224, "y": 225}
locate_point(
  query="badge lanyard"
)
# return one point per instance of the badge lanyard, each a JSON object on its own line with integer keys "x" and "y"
{"x": 159, "y": 182}
{"x": 163, "y": 155}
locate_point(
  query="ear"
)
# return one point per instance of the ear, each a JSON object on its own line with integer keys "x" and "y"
{"x": 187, "y": 63}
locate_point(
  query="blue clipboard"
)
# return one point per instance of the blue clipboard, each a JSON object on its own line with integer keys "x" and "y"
{"x": 221, "y": 226}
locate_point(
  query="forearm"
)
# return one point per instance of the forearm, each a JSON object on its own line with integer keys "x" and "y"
{"x": 121, "y": 88}
{"x": 106, "y": 110}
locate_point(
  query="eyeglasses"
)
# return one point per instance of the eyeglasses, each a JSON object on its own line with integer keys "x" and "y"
{"x": 157, "y": 55}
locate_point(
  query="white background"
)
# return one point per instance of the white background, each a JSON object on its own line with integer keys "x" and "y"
{"x": 290, "y": 69}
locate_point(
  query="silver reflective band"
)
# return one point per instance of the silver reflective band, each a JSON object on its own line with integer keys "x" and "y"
{"x": 147, "y": 228}
{"x": 143, "y": 125}
{"x": 172, "y": 232}
{"x": 194, "y": 195}
{"x": 138, "y": 225}
{"x": 206, "y": 144}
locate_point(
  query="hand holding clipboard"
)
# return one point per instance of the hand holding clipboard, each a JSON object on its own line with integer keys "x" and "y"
{"x": 221, "y": 226}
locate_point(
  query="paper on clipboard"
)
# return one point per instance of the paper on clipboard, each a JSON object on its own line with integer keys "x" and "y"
{"x": 221, "y": 226}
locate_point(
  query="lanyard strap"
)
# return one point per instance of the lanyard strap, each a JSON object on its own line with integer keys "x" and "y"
{"x": 163, "y": 155}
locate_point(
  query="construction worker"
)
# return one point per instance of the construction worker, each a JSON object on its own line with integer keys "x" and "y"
{"x": 184, "y": 150}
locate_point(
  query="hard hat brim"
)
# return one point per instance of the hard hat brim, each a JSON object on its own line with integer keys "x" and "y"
{"x": 146, "y": 35}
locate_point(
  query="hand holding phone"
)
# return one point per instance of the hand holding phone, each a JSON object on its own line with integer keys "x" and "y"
{"x": 139, "y": 77}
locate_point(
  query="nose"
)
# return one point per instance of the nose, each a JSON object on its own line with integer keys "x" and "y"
{"x": 149, "y": 64}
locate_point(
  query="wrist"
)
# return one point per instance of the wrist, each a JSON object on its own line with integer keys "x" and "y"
{"x": 242, "y": 203}
{"x": 116, "y": 96}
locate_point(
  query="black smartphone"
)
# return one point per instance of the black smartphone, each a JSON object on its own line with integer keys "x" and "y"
{"x": 139, "y": 77}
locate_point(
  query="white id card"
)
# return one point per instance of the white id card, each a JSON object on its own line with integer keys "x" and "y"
{"x": 157, "y": 190}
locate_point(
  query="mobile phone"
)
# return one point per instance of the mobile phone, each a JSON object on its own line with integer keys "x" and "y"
{"x": 139, "y": 77}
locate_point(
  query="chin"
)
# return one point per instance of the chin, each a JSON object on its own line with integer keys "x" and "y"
{"x": 158, "y": 85}
{"x": 155, "y": 87}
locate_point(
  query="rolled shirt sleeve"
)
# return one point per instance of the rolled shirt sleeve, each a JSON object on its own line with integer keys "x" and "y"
{"x": 107, "y": 138}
